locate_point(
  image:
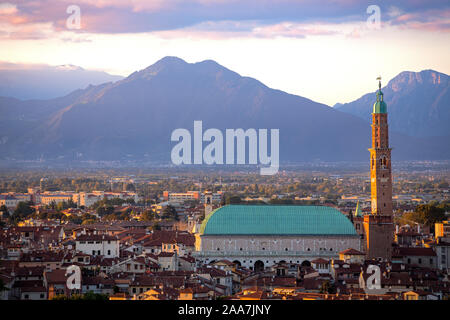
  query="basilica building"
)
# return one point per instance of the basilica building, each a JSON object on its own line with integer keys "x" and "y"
{"x": 257, "y": 236}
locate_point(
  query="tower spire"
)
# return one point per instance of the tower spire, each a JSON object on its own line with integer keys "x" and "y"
{"x": 379, "y": 106}
{"x": 378, "y": 226}
{"x": 358, "y": 210}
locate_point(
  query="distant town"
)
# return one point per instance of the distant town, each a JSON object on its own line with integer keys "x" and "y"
{"x": 135, "y": 237}
{"x": 234, "y": 236}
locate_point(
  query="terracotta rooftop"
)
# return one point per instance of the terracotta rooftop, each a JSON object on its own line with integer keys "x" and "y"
{"x": 352, "y": 252}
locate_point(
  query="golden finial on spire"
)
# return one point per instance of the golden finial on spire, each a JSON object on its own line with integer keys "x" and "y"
{"x": 379, "y": 82}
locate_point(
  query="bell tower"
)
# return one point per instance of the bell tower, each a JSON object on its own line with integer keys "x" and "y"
{"x": 378, "y": 226}
{"x": 208, "y": 202}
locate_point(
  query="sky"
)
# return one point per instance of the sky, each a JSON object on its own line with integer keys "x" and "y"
{"x": 326, "y": 50}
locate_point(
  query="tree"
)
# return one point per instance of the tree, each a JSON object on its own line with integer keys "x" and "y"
{"x": 147, "y": 215}
{"x": 426, "y": 214}
{"x": 103, "y": 211}
{"x": 170, "y": 212}
{"x": 22, "y": 211}
{"x": 5, "y": 212}
{"x": 94, "y": 296}
{"x": 327, "y": 287}
{"x": 74, "y": 219}
{"x": 233, "y": 200}
{"x": 2, "y": 286}
{"x": 156, "y": 227}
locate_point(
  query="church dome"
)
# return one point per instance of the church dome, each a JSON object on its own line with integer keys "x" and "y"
{"x": 276, "y": 220}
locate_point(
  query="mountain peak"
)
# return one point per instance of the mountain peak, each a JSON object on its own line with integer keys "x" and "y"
{"x": 166, "y": 63}
{"x": 69, "y": 67}
{"x": 170, "y": 60}
{"x": 417, "y": 103}
{"x": 411, "y": 78}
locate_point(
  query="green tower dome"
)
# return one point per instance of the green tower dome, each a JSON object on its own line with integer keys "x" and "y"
{"x": 379, "y": 106}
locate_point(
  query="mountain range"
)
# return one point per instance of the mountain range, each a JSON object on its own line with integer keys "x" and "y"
{"x": 418, "y": 104}
{"x": 47, "y": 82}
{"x": 133, "y": 118}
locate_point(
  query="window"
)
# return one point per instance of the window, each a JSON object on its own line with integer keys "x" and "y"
{"x": 420, "y": 260}
{"x": 109, "y": 252}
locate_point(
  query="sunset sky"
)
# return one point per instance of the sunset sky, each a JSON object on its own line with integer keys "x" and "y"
{"x": 322, "y": 50}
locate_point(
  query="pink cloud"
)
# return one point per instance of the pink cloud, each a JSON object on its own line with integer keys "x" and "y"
{"x": 7, "y": 8}
{"x": 215, "y": 18}
{"x": 406, "y": 17}
{"x": 433, "y": 20}
{"x": 292, "y": 30}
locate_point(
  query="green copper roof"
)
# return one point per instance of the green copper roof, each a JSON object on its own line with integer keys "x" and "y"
{"x": 379, "y": 106}
{"x": 276, "y": 220}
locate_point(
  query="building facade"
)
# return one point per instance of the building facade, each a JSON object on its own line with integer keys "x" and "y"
{"x": 98, "y": 245}
{"x": 192, "y": 196}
